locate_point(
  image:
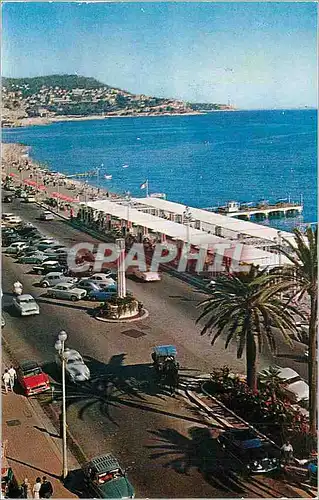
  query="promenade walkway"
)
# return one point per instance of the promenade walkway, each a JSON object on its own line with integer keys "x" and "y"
{"x": 33, "y": 447}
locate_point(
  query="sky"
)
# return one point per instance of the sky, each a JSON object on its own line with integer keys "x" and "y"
{"x": 255, "y": 55}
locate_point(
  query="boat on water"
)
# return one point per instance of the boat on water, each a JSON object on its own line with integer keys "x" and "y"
{"x": 108, "y": 177}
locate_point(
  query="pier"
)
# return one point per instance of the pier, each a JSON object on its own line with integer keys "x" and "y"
{"x": 241, "y": 211}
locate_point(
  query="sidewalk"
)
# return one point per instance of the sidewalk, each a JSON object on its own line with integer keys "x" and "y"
{"x": 33, "y": 447}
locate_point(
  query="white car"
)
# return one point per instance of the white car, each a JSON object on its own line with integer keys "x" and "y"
{"x": 56, "y": 278}
{"x": 16, "y": 247}
{"x": 46, "y": 215}
{"x": 296, "y": 389}
{"x": 102, "y": 279}
{"x": 66, "y": 291}
{"x": 14, "y": 219}
{"x": 7, "y": 215}
{"x": 76, "y": 369}
{"x": 26, "y": 305}
{"x": 29, "y": 199}
{"x": 146, "y": 275}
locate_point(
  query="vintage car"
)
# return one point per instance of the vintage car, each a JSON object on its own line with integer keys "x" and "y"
{"x": 34, "y": 258}
{"x": 102, "y": 295}
{"x": 26, "y": 305}
{"x": 48, "y": 266}
{"x": 76, "y": 369}
{"x": 105, "y": 478}
{"x": 31, "y": 378}
{"x": 46, "y": 215}
{"x": 102, "y": 279}
{"x": 16, "y": 247}
{"x": 67, "y": 291}
{"x": 145, "y": 275}
{"x": 56, "y": 278}
{"x": 251, "y": 455}
{"x": 163, "y": 355}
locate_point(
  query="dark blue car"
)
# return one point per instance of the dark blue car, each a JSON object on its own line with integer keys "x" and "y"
{"x": 101, "y": 295}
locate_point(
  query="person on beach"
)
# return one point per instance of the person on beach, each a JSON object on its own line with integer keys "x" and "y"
{"x": 13, "y": 376}
{"x": 6, "y": 380}
{"x": 36, "y": 488}
{"x": 46, "y": 490}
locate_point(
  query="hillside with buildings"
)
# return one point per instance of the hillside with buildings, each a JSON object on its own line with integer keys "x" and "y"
{"x": 50, "y": 98}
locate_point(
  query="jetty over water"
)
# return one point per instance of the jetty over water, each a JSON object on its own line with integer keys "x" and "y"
{"x": 260, "y": 210}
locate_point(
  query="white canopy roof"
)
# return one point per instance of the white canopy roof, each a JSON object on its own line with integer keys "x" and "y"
{"x": 226, "y": 222}
{"x": 196, "y": 237}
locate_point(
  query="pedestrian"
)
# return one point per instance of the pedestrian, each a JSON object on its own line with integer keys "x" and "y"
{"x": 26, "y": 489}
{"x": 36, "y": 488}
{"x": 46, "y": 490}
{"x": 13, "y": 376}
{"x": 287, "y": 451}
{"x": 6, "y": 380}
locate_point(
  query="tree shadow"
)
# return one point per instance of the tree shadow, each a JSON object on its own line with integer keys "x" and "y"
{"x": 113, "y": 384}
{"x": 199, "y": 450}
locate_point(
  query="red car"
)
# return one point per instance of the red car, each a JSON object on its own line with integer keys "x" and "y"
{"x": 32, "y": 379}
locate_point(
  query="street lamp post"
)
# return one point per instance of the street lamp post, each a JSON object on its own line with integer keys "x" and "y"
{"x": 187, "y": 217}
{"x": 121, "y": 282}
{"x": 59, "y": 346}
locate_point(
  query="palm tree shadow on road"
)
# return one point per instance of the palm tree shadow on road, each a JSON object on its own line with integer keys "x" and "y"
{"x": 114, "y": 385}
{"x": 199, "y": 450}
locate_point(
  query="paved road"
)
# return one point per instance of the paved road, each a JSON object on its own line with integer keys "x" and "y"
{"x": 157, "y": 436}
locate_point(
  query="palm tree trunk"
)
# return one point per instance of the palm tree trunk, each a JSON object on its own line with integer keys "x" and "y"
{"x": 312, "y": 365}
{"x": 251, "y": 361}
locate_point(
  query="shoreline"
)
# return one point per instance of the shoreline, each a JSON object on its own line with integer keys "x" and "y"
{"x": 40, "y": 121}
{"x": 37, "y": 121}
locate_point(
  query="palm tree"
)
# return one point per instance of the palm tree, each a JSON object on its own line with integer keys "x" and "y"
{"x": 272, "y": 381}
{"x": 240, "y": 308}
{"x": 301, "y": 279}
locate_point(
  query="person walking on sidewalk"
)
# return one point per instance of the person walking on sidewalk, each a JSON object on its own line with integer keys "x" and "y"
{"x": 36, "y": 488}
{"x": 6, "y": 380}
{"x": 13, "y": 376}
{"x": 46, "y": 490}
{"x": 26, "y": 489}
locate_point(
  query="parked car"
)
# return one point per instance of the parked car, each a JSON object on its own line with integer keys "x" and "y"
{"x": 34, "y": 258}
{"x": 44, "y": 244}
{"x": 88, "y": 285}
{"x": 55, "y": 248}
{"x": 75, "y": 368}
{"x": 102, "y": 278}
{"x": 26, "y": 305}
{"x": 48, "y": 266}
{"x": 32, "y": 378}
{"x": 67, "y": 291}
{"x": 46, "y": 215}
{"x": 250, "y": 454}
{"x": 8, "y": 199}
{"x": 13, "y": 220}
{"x": 7, "y": 215}
{"x": 101, "y": 295}
{"x": 55, "y": 278}
{"x": 294, "y": 387}
{"x": 145, "y": 275}
{"x": 16, "y": 247}
{"x": 104, "y": 478}
{"x": 29, "y": 199}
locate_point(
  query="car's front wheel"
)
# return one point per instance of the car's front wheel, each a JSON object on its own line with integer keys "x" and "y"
{"x": 44, "y": 285}
{"x": 74, "y": 298}
{"x": 39, "y": 271}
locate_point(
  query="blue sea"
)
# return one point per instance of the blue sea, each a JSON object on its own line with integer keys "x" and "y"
{"x": 201, "y": 160}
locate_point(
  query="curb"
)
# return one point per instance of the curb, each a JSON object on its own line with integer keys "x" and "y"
{"x": 124, "y": 320}
{"x": 73, "y": 444}
{"x": 195, "y": 399}
{"x": 51, "y": 415}
{"x": 239, "y": 418}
